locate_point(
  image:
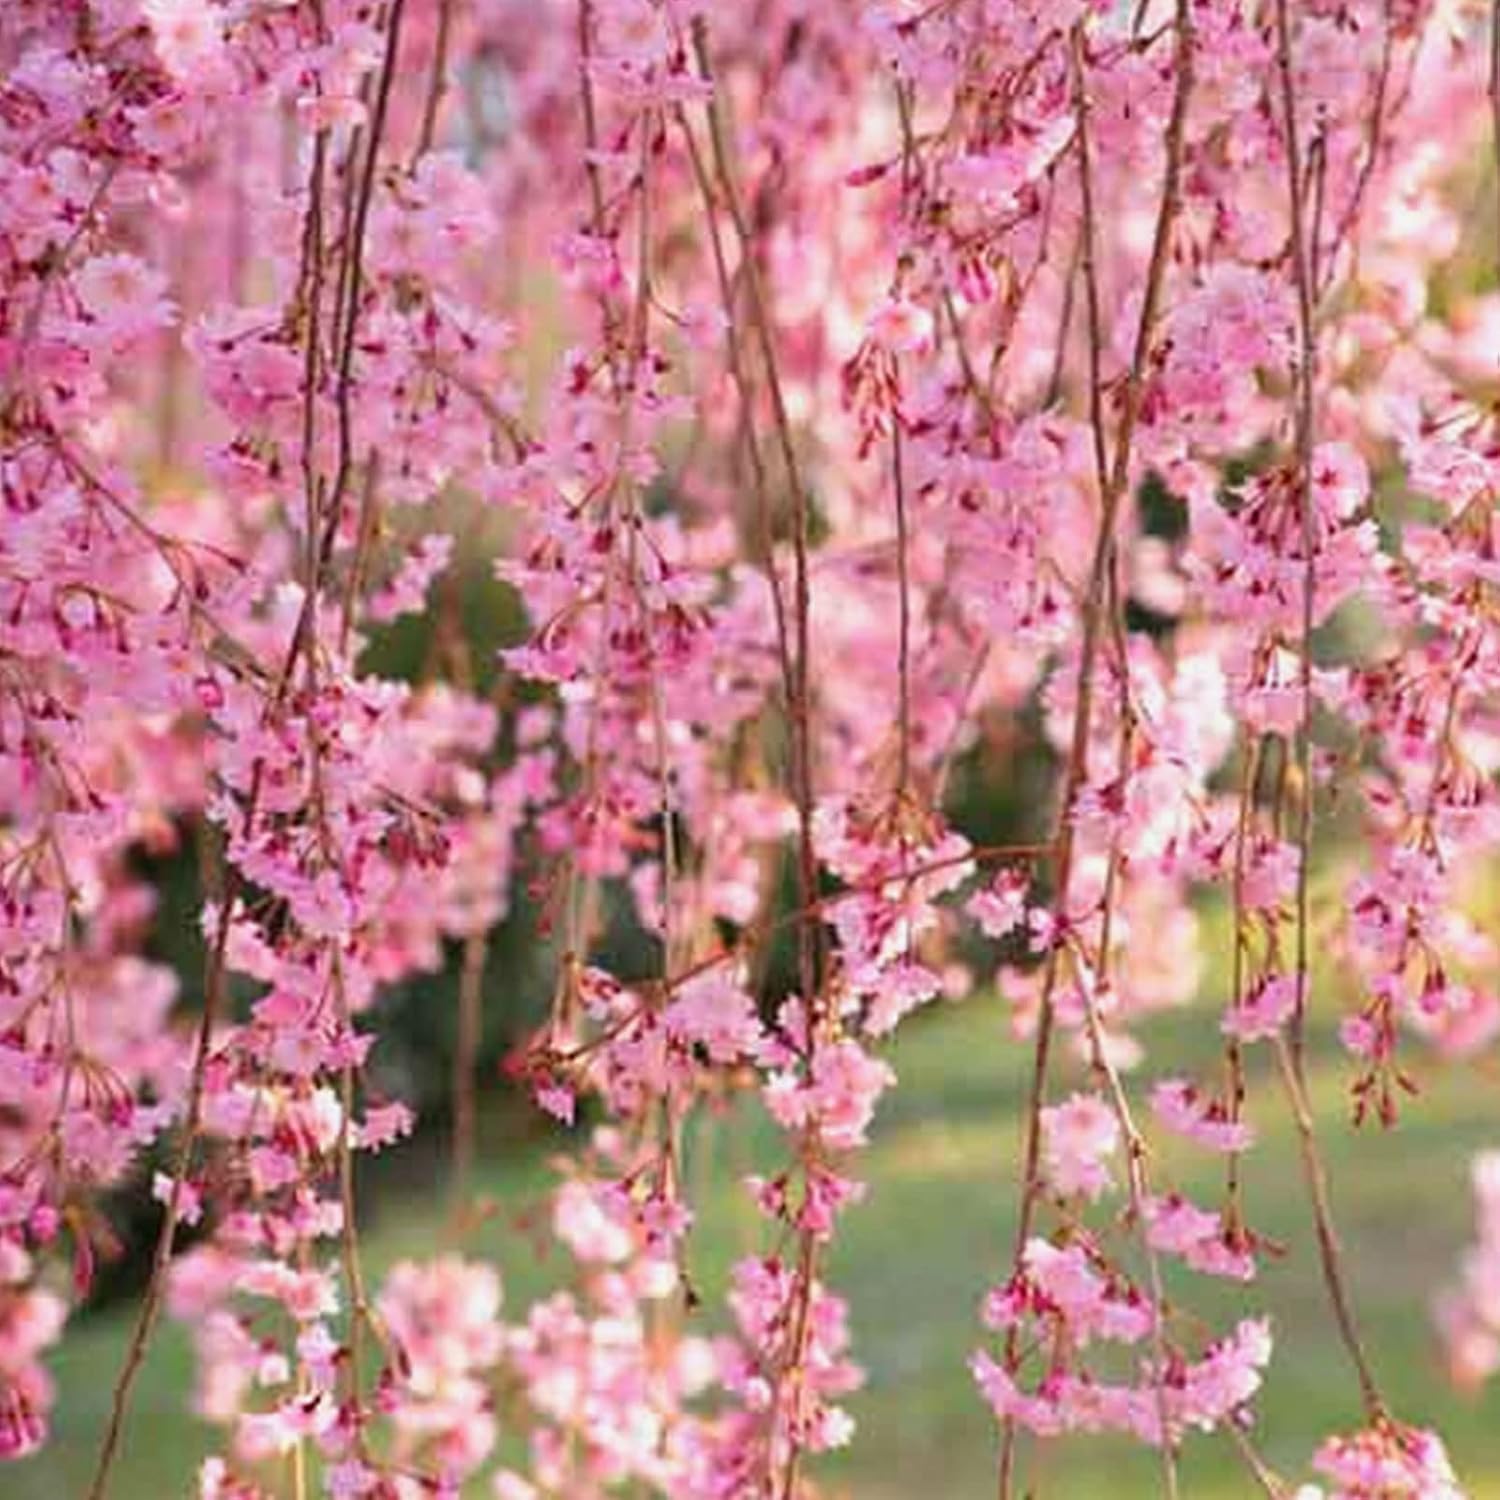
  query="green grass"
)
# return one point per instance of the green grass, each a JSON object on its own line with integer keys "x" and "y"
{"x": 915, "y": 1258}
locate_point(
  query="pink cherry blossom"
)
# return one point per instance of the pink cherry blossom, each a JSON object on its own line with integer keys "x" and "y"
{"x": 1078, "y": 1137}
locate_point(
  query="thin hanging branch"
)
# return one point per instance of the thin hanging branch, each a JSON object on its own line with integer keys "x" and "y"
{"x": 1094, "y": 609}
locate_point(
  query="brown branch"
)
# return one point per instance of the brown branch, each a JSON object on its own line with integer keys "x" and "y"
{"x": 903, "y": 613}
{"x": 1093, "y": 606}
{"x": 213, "y": 997}
{"x": 1290, "y": 1051}
{"x": 797, "y": 686}
{"x": 353, "y": 283}
{"x": 437, "y": 82}
{"x": 1304, "y": 436}
{"x": 301, "y": 643}
{"x": 1328, "y": 1244}
{"x": 740, "y": 375}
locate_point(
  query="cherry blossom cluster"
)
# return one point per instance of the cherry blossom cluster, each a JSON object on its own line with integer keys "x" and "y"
{"x": 1469, "y": 1312}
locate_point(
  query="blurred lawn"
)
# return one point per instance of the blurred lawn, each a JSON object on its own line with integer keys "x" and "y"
{"x": 916, "y": 1256}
